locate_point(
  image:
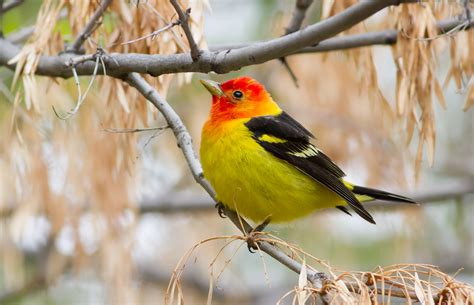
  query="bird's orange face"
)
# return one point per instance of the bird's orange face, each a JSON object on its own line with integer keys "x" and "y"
{"x": 242, "y": 97}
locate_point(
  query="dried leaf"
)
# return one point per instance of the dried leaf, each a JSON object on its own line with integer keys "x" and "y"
{"x": 469, "y": 96}
{"x": 121, "y": 96}
{"x": 420, "y": 294}
{"x": 439, "y": 94}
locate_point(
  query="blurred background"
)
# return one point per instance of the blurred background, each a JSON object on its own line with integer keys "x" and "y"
{"x": 90, "y": 214}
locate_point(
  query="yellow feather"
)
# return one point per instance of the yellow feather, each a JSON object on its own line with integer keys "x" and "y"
{"x": 271, "y": 139}
{"x": 251, "y": 181}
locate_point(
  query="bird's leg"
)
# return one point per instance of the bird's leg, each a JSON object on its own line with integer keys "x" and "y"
{"x": 252, "y": 235}
{"x": 319, "y": 276}
{"x": 220, "y": 209}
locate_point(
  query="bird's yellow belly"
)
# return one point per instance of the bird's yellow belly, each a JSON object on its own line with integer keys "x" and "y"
{"x": 256, "y": 184}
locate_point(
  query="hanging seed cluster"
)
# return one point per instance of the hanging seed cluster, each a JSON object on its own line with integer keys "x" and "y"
{"x": 415, "y": 54}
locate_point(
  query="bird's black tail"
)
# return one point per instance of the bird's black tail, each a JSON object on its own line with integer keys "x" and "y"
{"x": 380, "y": 195}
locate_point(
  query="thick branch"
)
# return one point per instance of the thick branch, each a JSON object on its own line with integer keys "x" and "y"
{"x": 118, "y": 64}
{"x": 387, "y": 37}
{"x": 90, "y": 27}
{"x": 184, "y": 18}
{"x": 219, "y": 61}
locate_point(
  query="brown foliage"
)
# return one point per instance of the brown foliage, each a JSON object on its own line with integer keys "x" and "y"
{"x": 65, "y": 169}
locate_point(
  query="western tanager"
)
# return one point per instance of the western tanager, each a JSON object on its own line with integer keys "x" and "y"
{"x": 261, "y": 163}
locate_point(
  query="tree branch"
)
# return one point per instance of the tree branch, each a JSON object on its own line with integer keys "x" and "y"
{"x": 177, "y": 203}
{"x": 174, "y": 122}
{"x": 118, "y": 64}
{"x": 387, "y": 37}
{"x": 10, "y": 5}
{"x": 21, "y": 35}
{"x": 219, "y": 61}
{"x": 184, "y": 18}
{"x": 299, "y": 13}
{"x": 90, "y": 27}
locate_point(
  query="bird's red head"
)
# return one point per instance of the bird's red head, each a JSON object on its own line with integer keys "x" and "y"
{"x": 238, "y": 98}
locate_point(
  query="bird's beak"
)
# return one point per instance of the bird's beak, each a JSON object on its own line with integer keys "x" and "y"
{"x": 213, "y": 87}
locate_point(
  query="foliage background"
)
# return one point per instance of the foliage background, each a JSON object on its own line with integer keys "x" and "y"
{"x": 69, "y": 189}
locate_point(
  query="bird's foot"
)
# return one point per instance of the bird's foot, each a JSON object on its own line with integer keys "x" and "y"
{"x": 252, "y": 240}
{"x": 252, "y": 235}
{"x": 319, "y": 276}
{"x": 319, "y": 280}
{"x": 220, "y": 209}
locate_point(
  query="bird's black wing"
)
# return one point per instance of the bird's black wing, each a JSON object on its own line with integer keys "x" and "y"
{"x": 286, "y": 139}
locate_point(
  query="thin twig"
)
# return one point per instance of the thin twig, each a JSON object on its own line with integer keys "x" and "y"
{"x": 293, "y": 77}
{"x": 133, "y": 130}
{"x": 90, "y": 27}
{"x": 153, "y": 34}
{"x": 452, "y": 32}
{"x": 80, "y": 98}
{"x": 19, "y": 36}
{"x": 184, "y": 18}
{"x": 467, "y": 11}
{"x": 157, "y": 132}
{"x": 74, "y": 61}
{"x": 299, "y": 13}
{"x": 10, "y": 5}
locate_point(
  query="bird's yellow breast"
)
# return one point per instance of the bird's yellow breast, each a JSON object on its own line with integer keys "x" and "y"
{"x": 253, "y": 182}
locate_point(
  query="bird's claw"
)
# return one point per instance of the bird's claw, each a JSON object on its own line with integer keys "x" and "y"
{"x": 321, "y": 276}
{"x": 319, "y": 279}
{"x": 220, "y": 210}
{"x": 252, "y": 243}
{"x": 252, "y": 235}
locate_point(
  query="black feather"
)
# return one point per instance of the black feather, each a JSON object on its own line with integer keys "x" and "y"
{"x": 344, "y": 209}
{"x": 381, "y": 195}
{"x": 299, "y": 152}
{"x": 282, "y": 126}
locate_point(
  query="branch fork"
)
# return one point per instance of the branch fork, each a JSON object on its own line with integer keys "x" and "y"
{"x": 184, "y": 18}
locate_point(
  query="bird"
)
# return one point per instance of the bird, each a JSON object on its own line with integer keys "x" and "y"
{"x": 262, "y": 164}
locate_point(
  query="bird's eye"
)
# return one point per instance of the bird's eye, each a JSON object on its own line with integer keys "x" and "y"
{"x": 237, "y": 94}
